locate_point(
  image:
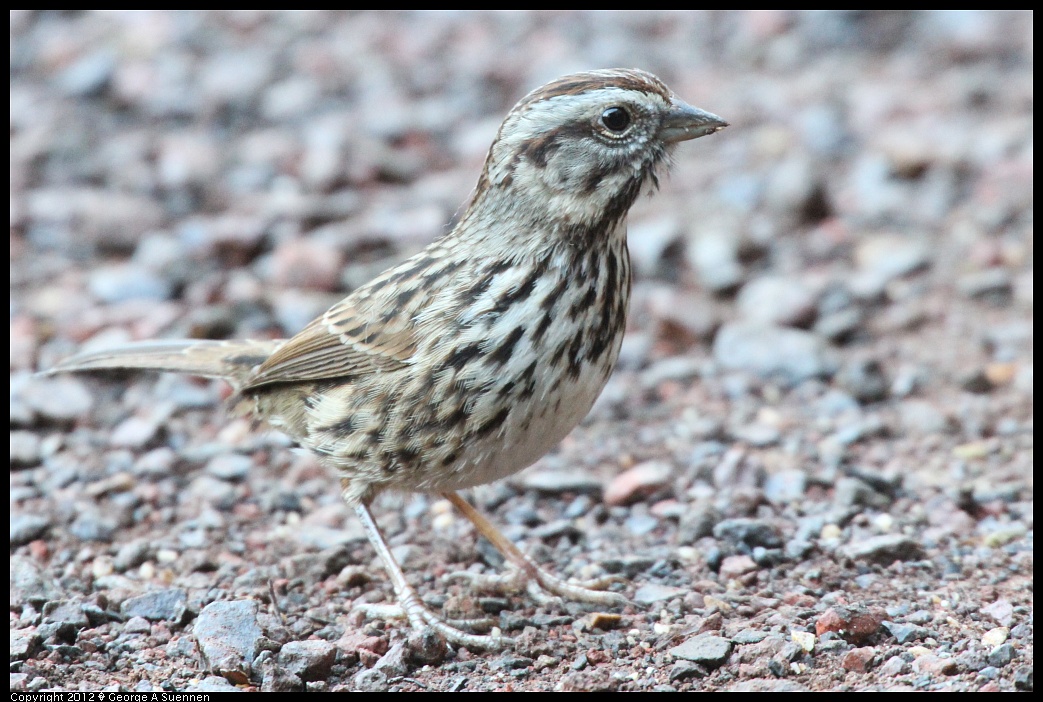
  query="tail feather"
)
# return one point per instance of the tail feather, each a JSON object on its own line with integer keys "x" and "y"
{"x": 232, "y": 360}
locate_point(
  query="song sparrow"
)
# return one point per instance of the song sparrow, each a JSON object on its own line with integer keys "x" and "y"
{"x": 473, "y": 358}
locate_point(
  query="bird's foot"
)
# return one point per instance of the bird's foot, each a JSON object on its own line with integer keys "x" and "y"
{"x": 544, "y": 588}
{"x": 452, "y": 630}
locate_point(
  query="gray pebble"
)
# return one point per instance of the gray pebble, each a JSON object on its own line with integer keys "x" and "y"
{"x": 590, "y": 680}
{"x": 920, "y": 616}
{"x": 885, "y": 549}
{"x": 229, "y": 466}
{"x": 641, "y": 524}
{"x": 757, "y": 435}
{"x": 864, "y": 379}
{"x": 672, "y": 368}
{"x": 211, "y": 491}
{"x": 559, "y": 481}
{"x": 775, "y": 300}
{"x": 824, "y": 129}
{"x": 212, "y": 683}
{"x": 370, "y": 680}
{"x": 768, "y": 685}
{"x": 975, "y": 381}
{"x": 20, "y": 414}
{"x": 767, "y": 557}
{"x": 1021, "y": 631}
{"x": 324, "y": 537}
{"x": 652, "y": 593}
{"x": 23, "y": 644}
{"x": 748, "y": 532}
{"x": 103, "y": 216}
{"x": 1001, "y": 655}
{"x": 556, "y": 529}
{"x": 904, "y": 633}
{"x": 893, "y": 667}
{"x": 709, "y": 650}
{"x": 131, "y": 555}
{"x": 136, "y": 432}
{"x": 628, "y": 565}
{"x": 122, "y": 282}
{"x": 634, "y": 351}
{"x": 834, "y": 646}
{"x": 921, "y": 418}
{"x": 277, "y": 679}
{"x": 697, "y": 523}
{"x": 92, "y": 525}
{"x": 907, "y": 380}
{"x": 991, "y": 285}
{"x": 137, "y": 625}
{"x": 229, "y": 635}
{"x": 25, "y": 449}
{"x": 168, "y": 605}
{"x": 522, "y": 513}
{"x": 839, "y": 325}
{"x": 750, "y": 636}
{"x": 65, "y": 613}
{"x": 394, "y": 663}
{"x": 682, "y": 670}
{"x": 29, "y": 584}
{"x": 156, "y": 462}
{"x": 797, "y": 549}
{"x": 652, "y": 237}
{"x": 795, "y": 191}
{"x": 321, "y": 565}
{"x": 1002, "y": 611}
{"x": 426, "y": 646}
{"x": 714, "y": 255}
{"x": 59, "y": 399}
{"x": 89, "y": 74}
{"x": 837, "y": 403}
{"x": 888, "y": 256}
{"x": 856, "y": 429}
{"x": 852, "y": 492}
{"x": 785, "y": 486}
{"x": 578, "y": 507}
{"x": 27, "y": 527}
{"x": 790, "y": 355}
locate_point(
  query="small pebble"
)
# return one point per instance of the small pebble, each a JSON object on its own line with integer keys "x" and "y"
{"x": 228, "y": 635}
{"x": 705, "y": 649}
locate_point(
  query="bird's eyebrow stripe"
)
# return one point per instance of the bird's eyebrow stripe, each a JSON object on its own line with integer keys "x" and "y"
{"x": 576, "y": 85}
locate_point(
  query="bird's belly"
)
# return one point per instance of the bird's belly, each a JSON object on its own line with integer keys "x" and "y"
{"x": 537, "y": 419}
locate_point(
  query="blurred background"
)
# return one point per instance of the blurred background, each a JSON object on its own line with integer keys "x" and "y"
{"x": 231, "y": 174}
{"x": 832, "y": 304}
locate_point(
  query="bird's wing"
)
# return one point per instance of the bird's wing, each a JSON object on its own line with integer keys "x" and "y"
{"x": 360, "y": 334}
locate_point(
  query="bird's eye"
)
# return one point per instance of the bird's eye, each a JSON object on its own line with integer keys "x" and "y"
{"x": 616, "y": 119}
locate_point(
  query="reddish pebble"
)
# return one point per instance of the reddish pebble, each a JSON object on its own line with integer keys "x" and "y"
{"x": 638, "y": 482}
{"x": 855, "y": 624}
{"x": 859, "y": 660}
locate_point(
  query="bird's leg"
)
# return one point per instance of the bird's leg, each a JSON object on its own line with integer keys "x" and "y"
{"x": 539, "y": 582}
{"x": 419, "y": 616}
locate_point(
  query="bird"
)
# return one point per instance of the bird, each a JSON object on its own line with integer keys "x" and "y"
{"x": 473, "y": 358}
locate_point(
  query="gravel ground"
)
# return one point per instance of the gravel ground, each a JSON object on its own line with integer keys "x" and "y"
{"x": 812, "y": 469}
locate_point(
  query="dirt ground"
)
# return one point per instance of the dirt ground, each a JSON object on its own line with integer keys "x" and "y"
{"x": 811, "y": 470}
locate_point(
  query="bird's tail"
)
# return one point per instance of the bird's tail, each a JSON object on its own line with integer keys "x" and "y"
{"x": 232, "y": 360}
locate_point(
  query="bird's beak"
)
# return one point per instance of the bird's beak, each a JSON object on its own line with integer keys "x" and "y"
{"x": 684, "y": 122}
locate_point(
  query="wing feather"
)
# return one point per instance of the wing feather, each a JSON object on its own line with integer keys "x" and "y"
{"x": 361, "y": 334}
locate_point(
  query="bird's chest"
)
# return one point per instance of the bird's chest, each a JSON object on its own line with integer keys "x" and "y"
{"x": 562, "y": 348}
